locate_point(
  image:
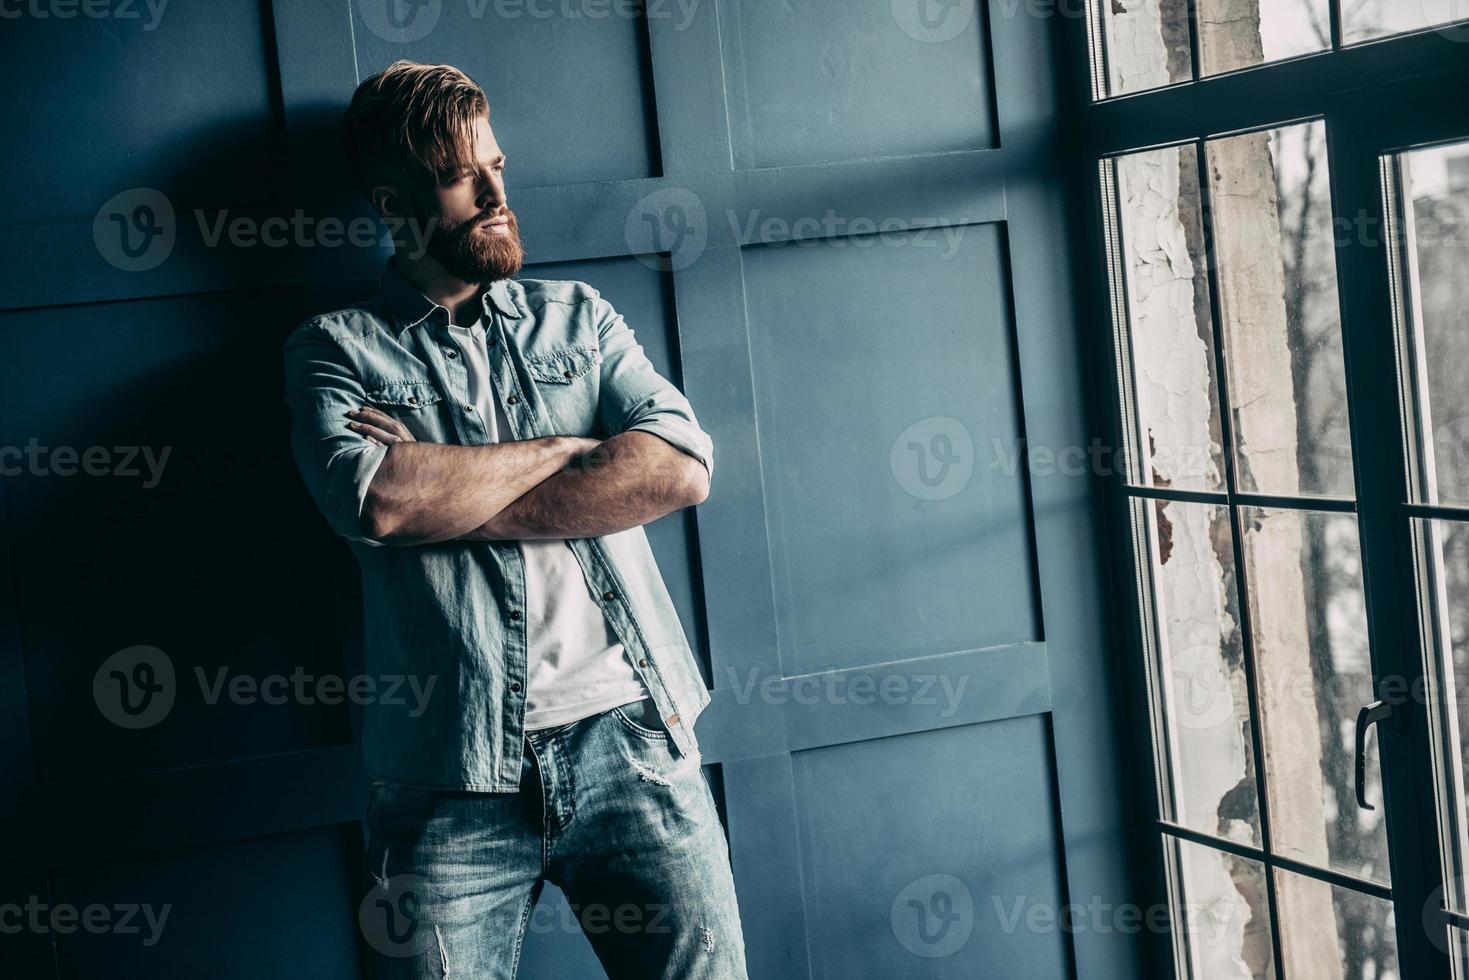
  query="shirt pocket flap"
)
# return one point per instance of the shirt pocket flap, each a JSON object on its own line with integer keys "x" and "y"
{"x": 404, "y": 394}
{"x": 562, "y": 366}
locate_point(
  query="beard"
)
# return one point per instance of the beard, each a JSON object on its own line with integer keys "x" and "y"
{"x": 470, "y": 251}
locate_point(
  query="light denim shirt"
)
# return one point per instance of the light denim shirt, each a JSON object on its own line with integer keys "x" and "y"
{"x": 564, "y": 363}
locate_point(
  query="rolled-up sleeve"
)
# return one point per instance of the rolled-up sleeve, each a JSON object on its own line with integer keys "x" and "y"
{"x": 336, "y": 463}
{"x": 633, "y": 395}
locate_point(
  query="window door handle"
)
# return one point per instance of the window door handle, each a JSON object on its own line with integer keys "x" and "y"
{"x": 1366, "y": 718}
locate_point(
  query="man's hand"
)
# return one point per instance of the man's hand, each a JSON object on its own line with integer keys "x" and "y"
{"x": 378, "y": 427}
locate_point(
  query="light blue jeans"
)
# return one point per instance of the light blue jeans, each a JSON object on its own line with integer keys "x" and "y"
{"x": 608, "y": 811}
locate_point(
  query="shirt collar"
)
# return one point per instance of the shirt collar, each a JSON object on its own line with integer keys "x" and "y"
{"x": 409, "y": 307}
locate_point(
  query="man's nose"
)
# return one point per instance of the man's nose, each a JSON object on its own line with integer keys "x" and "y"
{"x": 492, "y": 193}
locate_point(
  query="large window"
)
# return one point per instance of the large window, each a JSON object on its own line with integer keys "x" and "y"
{"x": 1231, "y": 371}
{"x": 1291, "y": 849}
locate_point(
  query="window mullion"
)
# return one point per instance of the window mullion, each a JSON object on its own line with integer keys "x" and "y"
{"x": 1241, "y": 572}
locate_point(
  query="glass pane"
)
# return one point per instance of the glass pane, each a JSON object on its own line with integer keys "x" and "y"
{"x": 1312, "y": 672}
{"x": 1444, "y": 591}
{"x": 1363, "y": 20}
{"x": 1432, "y": 212}
{"x": 1170, "y": 388}
{"x": 1329, "y": 931}
{"x": 1140, "y": 44}
{"x": 1207, "y": 765}
{"x": 1244, "y": 33}
{"x": 1458, "y": 950}
{"x": 1221, "y": 913}
{"x": 1276, "y": 266}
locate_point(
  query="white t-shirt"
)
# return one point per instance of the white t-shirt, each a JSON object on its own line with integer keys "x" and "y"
{"x": 578, "y": 666}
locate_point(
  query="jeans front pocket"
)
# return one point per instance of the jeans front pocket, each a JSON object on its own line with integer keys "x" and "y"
{"x": 634, "y": 718}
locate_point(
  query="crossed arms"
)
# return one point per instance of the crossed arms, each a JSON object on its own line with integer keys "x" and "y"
{"x": 378, "y": 487}
{"x": 552, "y": 487}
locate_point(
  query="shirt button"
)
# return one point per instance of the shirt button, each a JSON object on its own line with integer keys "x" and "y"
{"x": 413, "y": 399}
{"x": 642, "y": 663}
{"x": 469, "y": 409}
{"x": 515, "y": 686}
{"x": 609, "y": 596}
{"x": 515, "y": 614}
{"x": 566, "y": 374}
{"x": 451, "y": 354}
{"x": 513, "y": 400}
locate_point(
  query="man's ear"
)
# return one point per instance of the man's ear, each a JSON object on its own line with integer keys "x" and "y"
{"x": 388, "y": 202}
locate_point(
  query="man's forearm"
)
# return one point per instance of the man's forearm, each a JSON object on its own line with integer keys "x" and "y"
{"x": 633, "y": 478}
{"x": 426, "y": 492}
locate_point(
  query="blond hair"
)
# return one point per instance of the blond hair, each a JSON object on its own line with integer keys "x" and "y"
{"x": 411, "y": 124}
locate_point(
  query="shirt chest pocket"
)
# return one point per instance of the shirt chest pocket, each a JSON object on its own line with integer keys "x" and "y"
{"x": 566, "y": 381}
{"x": 415, "y": 403}
{"x": 563, "y": 366}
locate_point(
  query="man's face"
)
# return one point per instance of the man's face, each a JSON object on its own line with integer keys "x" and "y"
{"x": 475, "y": 237}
